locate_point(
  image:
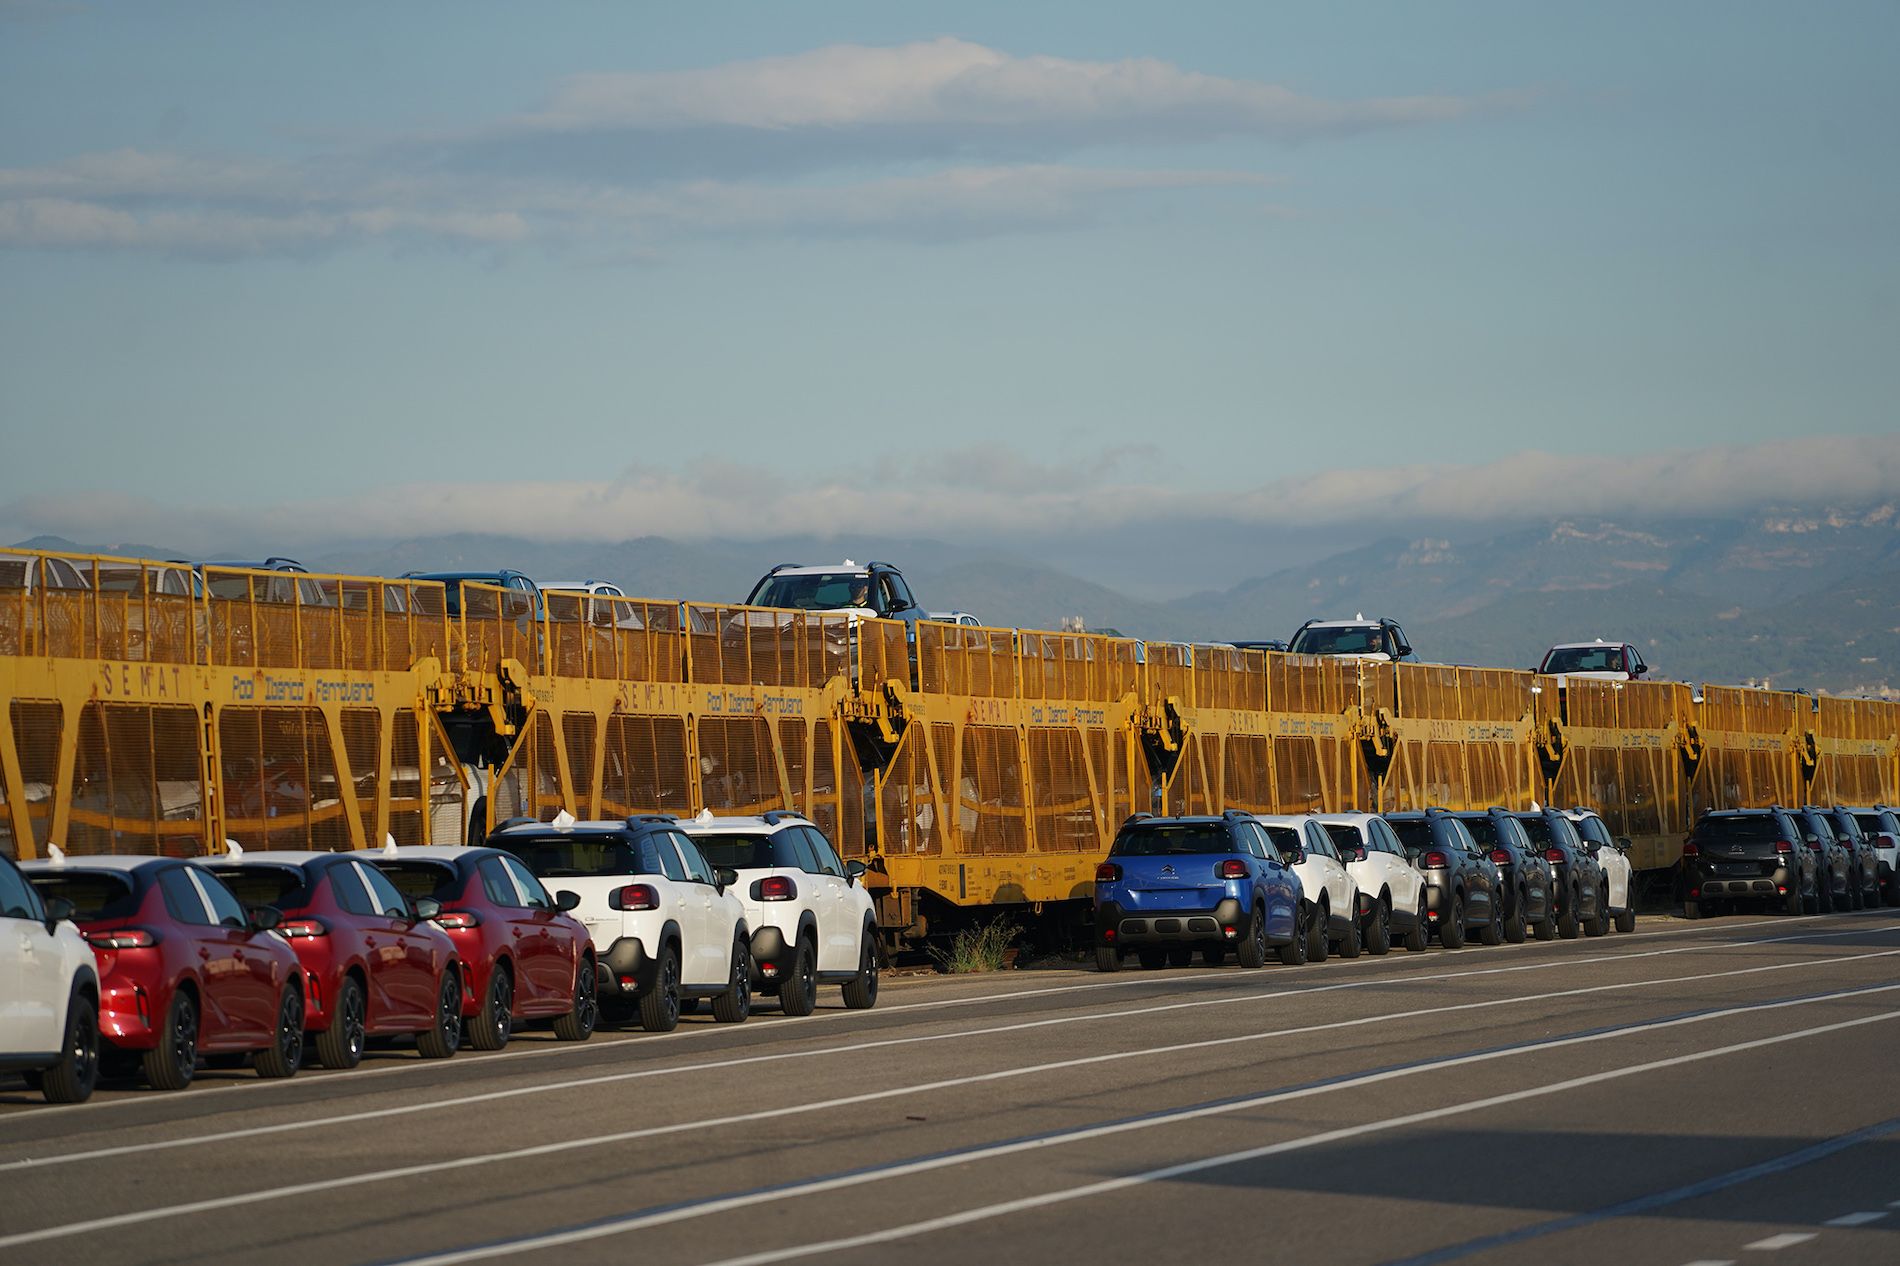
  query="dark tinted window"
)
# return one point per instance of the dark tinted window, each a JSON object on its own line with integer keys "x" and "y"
{"x": 1284, "y": 840}
{"x": 94, "y": 895}
{"x": 16, "y": 895}
{"x": 382, "y": 892}
{"x": 1160, "y": 839}
{"x": 556, "y": 856}
{"x": 280, "y": 886}
{"x": 1345, "y": 836}
{"x": 349, "y": 891}
{"x": 1537, "y": 828}
{"x": 182, "y": 899}
{"x": 823, "y": 853}
{"x": 1592, "y": 829}
{"x": 497, "y": 884}
{"x": 224, "y": 905}
{"x": 1844, "y": 824}
{"x": 1415, "y": 834}
{"x": 1750, "y": 828}
{"x": 1877, "y": 823}
{"x": 1357, "y": 639}
{"x": 530, "y": 887}
{"x": 1484, "y": 830}
{"x": 751, "y": 852}
{"x": 421, "y": 879}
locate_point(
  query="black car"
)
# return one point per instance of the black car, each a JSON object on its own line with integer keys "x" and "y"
{"x": 1746, "y": 855}
{"x": 1833, "y": 862}
{"x": 1523, "y": 874}
{"x": 1461, "y": 881}
{"x": 1865, "y": 864}
{"x": 1880, "y": 827}
{"x": 1576, "y": 876}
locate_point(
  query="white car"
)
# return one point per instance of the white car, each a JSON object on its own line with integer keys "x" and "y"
{"x": 1394, "y": 888}
{"x": 812, "y": 921}
{"x": 1614, "y": 857}
{"x": 49, "y": 993}
{"x": 1598, "y": 660}
{"x": 664, "y": 925}
{"x": 1330, "y": 907}
{"x": 1358, "y": 638}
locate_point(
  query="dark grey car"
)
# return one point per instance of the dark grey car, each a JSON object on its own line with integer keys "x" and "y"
{"x": 1461, "y": 880}
{"x": 1581, "y": 894}
{"x": 1747, "y": 855}
{"x": 1523, "y": 874}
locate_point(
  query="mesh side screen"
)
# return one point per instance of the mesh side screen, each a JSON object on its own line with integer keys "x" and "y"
{"x": 1196, "y": 775}
{"x": 69, "y": 628}
{"x": 9, "y": 846}
{"x": 645, "y": 767}
{"x": 791, "y": 744}
{"x": 362, "y": 742}
{"x": 1169, "y": 672}
{"x": 883, "y": 652}
{"x": 550, "y": 796}
{"x": 1296, "y": 771}
{"x": 737, "y": 773}
{"x": 407, "y": 803}
{"x": 1379, "y": 687}
{"x": 991, "y": 768}
{"x": 911, "y": 821}
{"x": 570, "y": 634}
{"x": 448, "y": 813}
{"x": 826, "y": 804}
{"x": 136, "y": 782}
{"x": 852, "y": 829}
{"x": 577, "y": 728}
{"x": 279, "y": 780}
{"x": 1247, "y": 770}
{"x": 36, "y": 738}
{"x": 1064, "y": 803}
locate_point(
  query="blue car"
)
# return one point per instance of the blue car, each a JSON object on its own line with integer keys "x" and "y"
{"x": 1171, "y": 886}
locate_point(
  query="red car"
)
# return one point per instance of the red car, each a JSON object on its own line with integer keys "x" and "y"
{"x": 185, "y": 969}
{"x": 373, "y": 964}
{"x": 527, "y": 959}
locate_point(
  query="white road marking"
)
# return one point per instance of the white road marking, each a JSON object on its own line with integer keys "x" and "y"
{"x": 1708, "y": 1261}
{"x": 1856, "y": 1219}
{"x": 601, "y": 1230}
{"x": 1776, "y": 1242}
{"x": 343, "y": 1080}
{"x": 437, "y": 1105}
{"x": 568, "y": 1145}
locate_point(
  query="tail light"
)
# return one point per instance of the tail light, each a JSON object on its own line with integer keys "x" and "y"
{"x": 1502, "y": 856}
{"x": 1359, "y": 853}
{"x": 1691, "y": 849}
{"x": 1432, "y": 859}
{"x": 297, "y": 929}
{"x": 455, "y": 920}
{"x": 1814, "y": 844}
{"x": 777, "y": 888}
{"x": 123, "y": 938}
{"x": 636, "y": 897}
{"x": 1785, "y": 846}
{"x": 1108, "y": 873}
{"x": 1554, "y": 854}
{"x": 1232, "y": 868}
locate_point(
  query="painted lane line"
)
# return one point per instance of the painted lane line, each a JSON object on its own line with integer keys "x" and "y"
{"x": 1642, "y": 1206}
{"x": 437, "y": 1105}
{"x": 1711, "y": 1261}
{"x": 1776, "y": 1243}
{"x": 641, "y": 1221}
{"x": 343, "y": 1081}
{"x": 1856, "y": 1219}
{"x": 569, "y": 1145}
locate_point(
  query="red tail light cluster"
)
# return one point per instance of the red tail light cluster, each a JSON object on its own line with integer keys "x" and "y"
{"x": 636, "y": 897}
{"x": 297, "y": 929}
{"x": 1232, "y": 868}
{"x": 1108, "y": 873}
{"x": 455, "y": 920}
{"x": 1691, "y": 849}
{"x": 1502, "y": 856}
{"x": 123, "y": 938}
{"x": 777, "y": 888}
{"x": 1785, "y": 846}
{"x": 1432, "y": 858}
{"x": 1554, "y": 855}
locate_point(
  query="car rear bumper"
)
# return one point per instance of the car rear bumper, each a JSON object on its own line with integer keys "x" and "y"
{"x": 772, "y": 955}
{"x": 626, "y": 968}
{"x": 1169, "y": 927}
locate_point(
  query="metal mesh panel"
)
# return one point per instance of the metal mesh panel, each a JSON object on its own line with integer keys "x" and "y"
{"x": 645, "y": 767}
{"x": 578, "y": 729}
{"x": 991, "y": 761}
{"x": 9, "y": 846}
{"x": 1065, "y": 809}
{"x": 957, "y": 659}
{"x": 137, "y": 784}
{"x": 1428, "y": 690}
{"x": 499, "y": 624}
{"x": 529, "y": 784}
{"x": 842, "y": 778}
{"x": 145, "y": 611}
{"x": 448, "y": 805}
{"x": 1378, "y": 687}
{"x": 1298, "y": 785}
{"x": 571, "y": 634}
{"x": 1320, "y": 684}
{"x": 737, "y": 772}
{"x": 1123, "y": 667}
{"x": 883, "y": 652}
{"x": 791, "y": 746}
{"x": 362, "y": 743}
{"x": 757, "y": 646}
{"x": 407, "y": 803}
{"x": 36, "y": 736}
{"x": 1196, "y": 785}
{"x": 1170, "y": 672}
{"x": 912, "y": 822}
{"x": 1247, "y": 772}
{"x": 1228, "y": 677}
{"x": 1494, "y": 694}
{"x": 278, "y": 777}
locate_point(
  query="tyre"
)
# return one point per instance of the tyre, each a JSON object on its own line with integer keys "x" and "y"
{"x": 1493, "y": 931}
{"x": 1517, "y": 927}
{"x": 1791, "y": 903}
{"x": 1251, "y": 952}
{"x": 72, "y": 1079}
{"x": 1152, "y": 959}
{"x": 1420, "y": 936}
{"x": 660, "y": 1005}
{"x": 284, "y": 1056}
{"x": 860, "y": 992}
{"x": 341, "y": 1045}
{"x": 1293, "y": 953}
{"x": 1107, "y": 958}
{"x": 734, "y": 1005}
{"x": 1691, "y": 909}
{"x": 1213, "y": 955}
{"x": 1378, "y": 936}
{"x": 578, "y": 1024}
{"x": 494, "y": 1023}
{"x": 1599, "y": 924}
{"x": 1181, "y": 956}
{"x": 1569, "y": 923}
{"x": 171, "y": 1064}
{"x": 1451, "y": 928}
{"x": 1348, "y": 944}
{"x": 1316, "y": 942}
{"x": 798, "y": 992}
{"x": 443, "y": 1038}
{"x": 1626, "y": 918}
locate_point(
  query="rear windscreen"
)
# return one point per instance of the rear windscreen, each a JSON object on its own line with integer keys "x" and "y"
{"x": 1538, "y": 828}
{"x": 1414, "y": 833}
{"x": 1344, "y": 836}
{"x": 415, "y": 879}
{"x": 569, "y": 856}
{"x": 1877, "y": 823}
{"x": 747, "y": 852}
{"x": 1160, "y": 841}
{"x": 1484, "y": 830}
{"x": 94, "y": 896}
{"x": 264, "y": 885}
{"x": 1752, "y": 829}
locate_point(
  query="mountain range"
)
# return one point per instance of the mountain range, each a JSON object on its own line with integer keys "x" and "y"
{"x": 1789, "y": 596}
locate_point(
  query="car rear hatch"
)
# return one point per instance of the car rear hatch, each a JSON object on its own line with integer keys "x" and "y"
{"x": 1177, "y": 881}
{"x": 1741, "y": 846}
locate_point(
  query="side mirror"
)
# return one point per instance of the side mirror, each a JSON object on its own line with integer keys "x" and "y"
{"x": 426, "y": 908}
{"x": 724, "y": 877}
{"x": 1405, "y": 650}
{"x": 58, "y": 909}
{"x": 854, "y": 871}
{"x": 1623, "y": 844}
{"x": 565, "y": 900}
{"x": 263, "y": 918}
{"x": 1294, "y": 856}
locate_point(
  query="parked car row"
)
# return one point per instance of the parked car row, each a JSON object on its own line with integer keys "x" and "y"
{"x": 1805, "y": 860}
{"x": 150, "y": 966}
{"x": 1309, "y": 885}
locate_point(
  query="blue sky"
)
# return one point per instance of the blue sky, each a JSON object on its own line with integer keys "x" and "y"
{"x": 749, "y": 269}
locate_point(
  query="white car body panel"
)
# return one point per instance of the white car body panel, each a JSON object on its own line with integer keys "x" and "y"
{"x": 38, "y": 972}
{"x": 1380, "y": 871}
{"x": 840, "y": 907}
{"x": 1318, "y": 871}
{"x": 1616, "y": 864}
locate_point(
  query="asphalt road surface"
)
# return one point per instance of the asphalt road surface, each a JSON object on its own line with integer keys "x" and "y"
{"x": 1720, "y": 1091}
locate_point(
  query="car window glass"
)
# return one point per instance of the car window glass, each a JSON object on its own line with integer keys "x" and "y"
{"x": 17, "y": 898}
{"x": 531, "y": 890}
{"x": 1283, "y": 839}
{"x": 821, "y": 849}
{"x": 696, "y": 868}
{"x": 383, "y": 893}
{"x": 349, "y": 891}
{"x": 182, "y": 898}
{"x": 1317, "y": 841}
{"x": 497, "y": 884}
{"x": 225, "y": 907}
{"x": 798, "y": 850}
{"x": 670, "y": 864}
{"x": 1383, "y": 837}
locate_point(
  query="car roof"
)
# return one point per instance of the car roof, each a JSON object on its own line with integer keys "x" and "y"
{"x": 602, "y": 826}
{"x": 94, "y": 861}
{"x": 275, "y": 857}
{"x": 1360, "y": 623}
{"x": 754, "y": 825}
{"x": 822, "y": 569}
{"x": 1346, "y": 819}
{"x": 1282, "y": 819}
{"x": 428, "y": 853}
{"x": 578, "y": 586}
{"x": 1584, "y": 646}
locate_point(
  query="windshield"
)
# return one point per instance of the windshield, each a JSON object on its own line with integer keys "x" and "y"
{"x": 566, "y": 856}
{"x": 94, "y": 896}
{"x": 823, "y": 591}
{"x": 415, "y": 879}
{"x": 746, "y": 852}
{"x": 1162, "y": 841}
{"x": 1584, "y": 659}
{"x": 1356, "y": 639}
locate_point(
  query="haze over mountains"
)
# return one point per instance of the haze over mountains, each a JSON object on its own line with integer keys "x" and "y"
{"x": 1793, "y": 597}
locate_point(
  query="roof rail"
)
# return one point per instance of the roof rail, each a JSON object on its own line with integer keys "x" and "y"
{"x": 1136, "y": 817}
{"x": 652, "y": 819}
{"x": 518, "y": 820}
{"x": 776, "y": 816}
